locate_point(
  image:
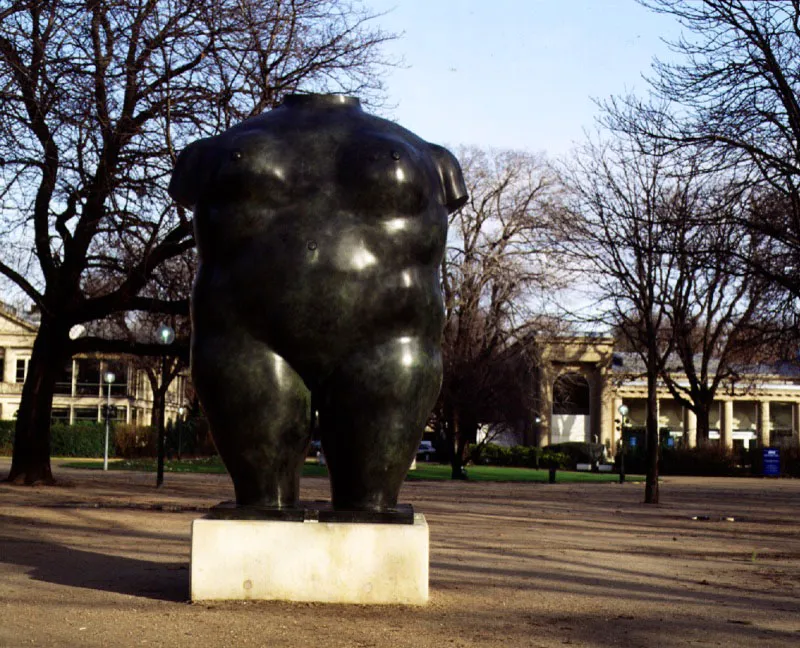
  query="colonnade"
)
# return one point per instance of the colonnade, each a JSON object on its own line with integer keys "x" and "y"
{"x": 726, "y": 421}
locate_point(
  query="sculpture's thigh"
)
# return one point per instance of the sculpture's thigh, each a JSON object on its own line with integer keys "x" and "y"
{"x": 259, "y": 411}
{"x": 373, "y": 411}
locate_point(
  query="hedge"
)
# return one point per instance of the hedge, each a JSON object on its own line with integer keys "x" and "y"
{"x": 521, "y": 456}
{"x": 710, "y": 461}
{"x": 580, "y": 451}
{"x": 125, "y": 440}
{"x": 78, "y": 440}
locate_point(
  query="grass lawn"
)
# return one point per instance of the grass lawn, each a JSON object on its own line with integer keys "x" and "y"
{"x": 423, "y": 472}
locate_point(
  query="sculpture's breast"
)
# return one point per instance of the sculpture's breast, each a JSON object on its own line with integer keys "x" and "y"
{"x": 368, "y": 203}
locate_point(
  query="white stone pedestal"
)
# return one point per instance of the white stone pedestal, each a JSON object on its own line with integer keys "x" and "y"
{"x": 330, "y": 562}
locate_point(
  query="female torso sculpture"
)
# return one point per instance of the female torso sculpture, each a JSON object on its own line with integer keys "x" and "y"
{"x": 320, "y": 231}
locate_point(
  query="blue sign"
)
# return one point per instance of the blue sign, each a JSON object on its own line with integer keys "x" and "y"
{"x": 771, "y": 462}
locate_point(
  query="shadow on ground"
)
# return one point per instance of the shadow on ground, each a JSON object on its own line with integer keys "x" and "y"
{"x": 50, "y": 562}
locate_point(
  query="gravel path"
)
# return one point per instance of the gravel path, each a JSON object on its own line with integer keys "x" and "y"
{"x": 511, "y": 565}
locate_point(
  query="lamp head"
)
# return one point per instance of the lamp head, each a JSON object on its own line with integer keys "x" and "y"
{"x": 165, "y": 334}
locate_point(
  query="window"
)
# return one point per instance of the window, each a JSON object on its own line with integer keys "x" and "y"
{"x": 21, "y": 366}
{"x": 60, "y": 414}
{"x": 64, "y": 380}
{"x": 87, "y": 382}
{"x": 120, "y": 385}
{"x": 86, "y": 414}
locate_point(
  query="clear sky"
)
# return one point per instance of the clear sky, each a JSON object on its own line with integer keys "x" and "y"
{"x": 515, "y": 73}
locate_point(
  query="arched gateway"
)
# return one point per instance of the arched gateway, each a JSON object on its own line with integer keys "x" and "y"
{"x": 572, "y": 409}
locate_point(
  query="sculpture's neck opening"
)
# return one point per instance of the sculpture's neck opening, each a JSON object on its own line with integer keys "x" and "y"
{"x": 320, "y": 101}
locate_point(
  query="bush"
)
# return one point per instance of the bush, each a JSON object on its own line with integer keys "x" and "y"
{"x": 134, "y": 441}
{"x": 491, "y": 454}
{"x": 706, "y": 461}
{"x": 195, "y": 439}
{"x": 580, "y": 452}
{"x": 6, "y": 436}
{"x": 552, "y": 459}
{"x": 790, "y": 461}
{"x": 635, "y": 460}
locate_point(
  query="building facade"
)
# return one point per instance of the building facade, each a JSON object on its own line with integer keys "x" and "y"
{"x": 581, "y": 382}
{"x": 81, "y": 391}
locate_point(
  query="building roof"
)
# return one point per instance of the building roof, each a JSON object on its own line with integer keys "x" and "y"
{"x": 627, "y": 362}
{"x": 15, "y": 316}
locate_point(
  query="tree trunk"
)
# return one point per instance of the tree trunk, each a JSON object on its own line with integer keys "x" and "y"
{"x": 159, "y": 403}
{"x": 456, "y": 443}
{"x": 160, "y": 381}
{"x": 652, "y": 440}
{"x": 30, "y": 462}
{"x": 702, "y": 424}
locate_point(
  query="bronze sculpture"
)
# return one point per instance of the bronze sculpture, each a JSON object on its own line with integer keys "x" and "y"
{"x": 320, "y": 231}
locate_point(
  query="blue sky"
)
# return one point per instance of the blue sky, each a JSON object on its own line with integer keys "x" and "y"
{"x": 515, "y": 73}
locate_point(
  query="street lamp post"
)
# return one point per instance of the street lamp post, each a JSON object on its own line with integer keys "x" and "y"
{"x": 165, "y": 335}
{"x": 179, "y": 425}
{"x": 109, "y": 377}
{"x": 623, "y": 415}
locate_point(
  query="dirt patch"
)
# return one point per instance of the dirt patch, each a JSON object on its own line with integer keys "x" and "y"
{"x": 511, "y": 564}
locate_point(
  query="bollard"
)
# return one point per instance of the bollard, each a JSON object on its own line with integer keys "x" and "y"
{"x": 552, "y": 477}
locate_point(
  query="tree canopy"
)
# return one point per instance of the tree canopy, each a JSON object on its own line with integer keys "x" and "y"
{"x": 98, "y": 98}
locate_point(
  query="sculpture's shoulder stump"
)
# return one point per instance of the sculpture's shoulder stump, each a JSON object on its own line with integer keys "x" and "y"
{"x": 331, "y": 562}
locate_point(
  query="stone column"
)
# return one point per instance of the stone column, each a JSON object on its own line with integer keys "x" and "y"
{"x": 762, "y": 424}
{"x": 689, "y": 427}
{"x": 595, "y": 407}
{"x": 546, "y": 407}
{"x": 726, "y": 425}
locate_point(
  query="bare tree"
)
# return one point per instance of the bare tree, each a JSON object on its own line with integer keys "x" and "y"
{"x": 663, "y": 243}
{"x": 614, "y": 233}
{"x": 494, "y": 269}
{"x": 96, "y": 99}
{"x": 732, "y": 92}
{"x": 717, "y": 304}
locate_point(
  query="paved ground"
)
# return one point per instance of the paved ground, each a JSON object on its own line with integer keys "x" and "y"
{"x": 511, "y": 564}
